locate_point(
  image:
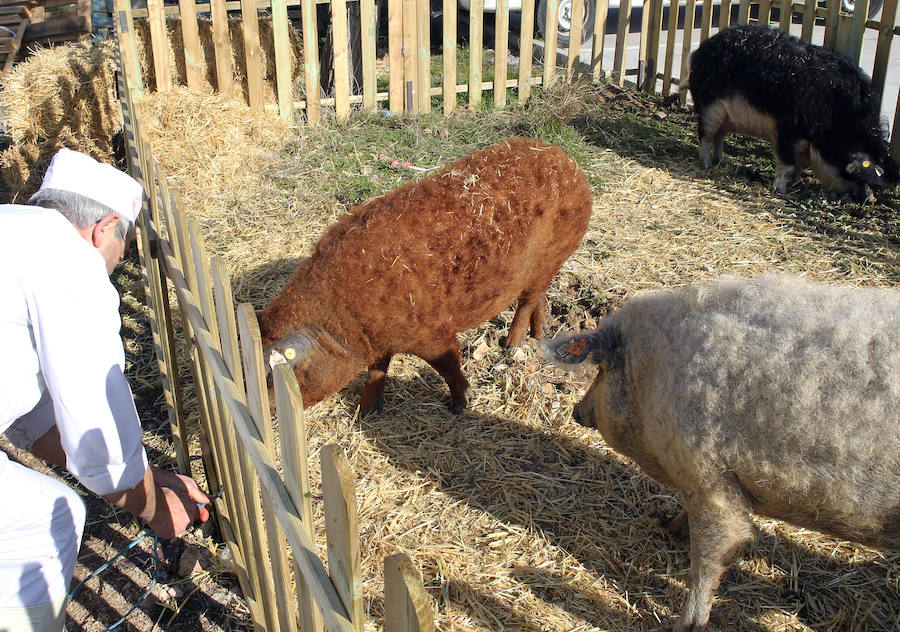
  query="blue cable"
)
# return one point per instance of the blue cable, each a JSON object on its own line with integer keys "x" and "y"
{"x": 157, "y": 575}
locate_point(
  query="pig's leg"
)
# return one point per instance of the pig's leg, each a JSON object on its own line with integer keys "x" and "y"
{"x": 539, "y": 317}
{"x": 447, "y": 366}
{"x": 373, "y": 393}
{"x": 678, "y": 525}
{"x": 711, "y": 124}
{"x": 529, "y": 310}
{"x": 719, "y": 525}
{"x": 786, "y": 159}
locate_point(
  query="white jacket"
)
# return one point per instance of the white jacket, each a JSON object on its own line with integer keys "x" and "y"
{"x": 59, "y": 334}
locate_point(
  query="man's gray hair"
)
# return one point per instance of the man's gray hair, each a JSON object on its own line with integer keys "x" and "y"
{"x": 79, "y": 209}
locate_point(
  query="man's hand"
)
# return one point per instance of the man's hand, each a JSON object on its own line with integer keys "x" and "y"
{"x": 168, "y": 506}
{"x": 185, "y": 487}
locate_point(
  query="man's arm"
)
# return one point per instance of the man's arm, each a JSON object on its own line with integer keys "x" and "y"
{"x": 166, "y": 501}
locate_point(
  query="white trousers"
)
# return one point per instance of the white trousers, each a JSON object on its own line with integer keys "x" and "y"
{"x": 41, "y": 523}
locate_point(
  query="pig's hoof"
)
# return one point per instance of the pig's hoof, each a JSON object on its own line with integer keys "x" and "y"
{"x": 678, "y": 526}
{"x": 376, "y": 406}
{"x": 457, "y": 407}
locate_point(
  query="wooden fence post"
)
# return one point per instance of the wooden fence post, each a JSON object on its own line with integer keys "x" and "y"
{"x": 476, "y": 37}
{"x": 690, "y": 10}
{"x": 501, "y": 52}
{"x": 222, "y": 42}
{"x": 190, "y": 34}
{"x": 526, "y": 50}
{"x": 159, "y": 41}
{"x": 367, "y": 25}
{"x": 602, "y": 11}
{"x": 423, "y": 55}
{"x": 341, "y": 58}
{"x": 396, "y": 55}
{"x": 272, "y": 546}
{"x": 551, "y": 37}
{"x": 573, "y": 58}
{"x": 341, "y": 524}
{"x": 128, "y": 47}
{"x": 670, "y": 48}
{"x": 449, "y": 51}
{"x": 621, "y": 41}
{"x": 281, "y": 41}
{"x": 294, "y": 457}
{"x": 883, "y": 48}
{"x": 252, "y": 54}
{"x": 655, "y": 26}
{"x": 407, "y": 607}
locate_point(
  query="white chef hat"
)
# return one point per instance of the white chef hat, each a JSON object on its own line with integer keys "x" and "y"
{"x": 79, "y": 173}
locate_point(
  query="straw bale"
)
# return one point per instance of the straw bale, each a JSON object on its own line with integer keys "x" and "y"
{"x": 207, "y": 61}
{"x": 519, "y": 518}
{"x": 63, "y": 92}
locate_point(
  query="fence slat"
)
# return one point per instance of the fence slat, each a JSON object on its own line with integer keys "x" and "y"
{"x": 690, "y": 11}
{"x": 410, "y": 69}
{"x": 252, "y": 54}
{"x": 526, "y": 50}
{"x": 423, "y": 56}
{"x": 602, "y": 11}
{"x": 277, "y": 577}
{"x": 342, "y": 531}
{"x": 786, "y": 15}
{"x": 670, "y": 48}
{"x": 573, "y": 57}
{"x": 367, "y": 22}
{"x": 238, "y": 467}
{"x": 407, "y": 607}
{"x": 705, "y": 20}
{"x": 294, "y": 457}
{"x": 652, "y": 56}
{"x": 312, "y": 68}
{"x": 222, "y": 44}
{"x": 744, "y": 12}
{"x": 501, "y": 52}
{"x": 883, "y": 48}
{"x": 476, "y": 37}
{"x": 832, "y": 20}
{"x": 395, "y": 55}
{"x": 448, "y": 48}
{"x": 190, "y": 35}
{"x": 858, "y": 29}
{"x": 128, "y": 46}
{"x": 160, "y": 45}
{"x": 809, "y": 20}
{"x": 551, "y": 37}
{"x": 621, "y": 42}
{"x": 282, "y": 44}
{"x": 725, "y": 14}
{"x": 341, "y": 58}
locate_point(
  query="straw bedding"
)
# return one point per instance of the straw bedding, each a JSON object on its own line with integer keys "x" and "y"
{"x": 518, "y": 518}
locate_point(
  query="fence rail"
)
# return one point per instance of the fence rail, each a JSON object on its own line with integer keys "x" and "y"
{"x": 265, "y": 518}
{"x": 410, "y": 82}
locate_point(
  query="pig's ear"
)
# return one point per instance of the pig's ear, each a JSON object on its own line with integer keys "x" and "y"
{"x": 571, "y": 350}
{"x": 568, "y": 350}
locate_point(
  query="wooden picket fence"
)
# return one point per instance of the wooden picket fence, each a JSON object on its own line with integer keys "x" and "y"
{"x": 265, "y": 517}
{"x": 412, "y": 85}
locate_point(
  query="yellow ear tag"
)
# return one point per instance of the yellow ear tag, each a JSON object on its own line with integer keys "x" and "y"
{"x": 290, "y": 354}
{"x": 866, "y": 164}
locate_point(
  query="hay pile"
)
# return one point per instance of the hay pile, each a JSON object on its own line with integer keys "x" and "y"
{"x": 59, "y": 97}
{"x": 207, "y": 61}
{"x": 518, "y": 518}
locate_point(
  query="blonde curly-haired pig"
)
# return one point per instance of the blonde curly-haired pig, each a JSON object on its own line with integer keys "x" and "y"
{"x": 774, "y": 396}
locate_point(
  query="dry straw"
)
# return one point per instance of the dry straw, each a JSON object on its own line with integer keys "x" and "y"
{"x": 60, "y": 97}
{"x": 520, "y": 519}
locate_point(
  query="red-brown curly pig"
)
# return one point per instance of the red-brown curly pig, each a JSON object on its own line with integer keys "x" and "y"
{"x": 405, "y": 272}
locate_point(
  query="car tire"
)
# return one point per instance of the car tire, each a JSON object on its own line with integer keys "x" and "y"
{"x": 564, "y": 13}
{"x": 874, "y": 7}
